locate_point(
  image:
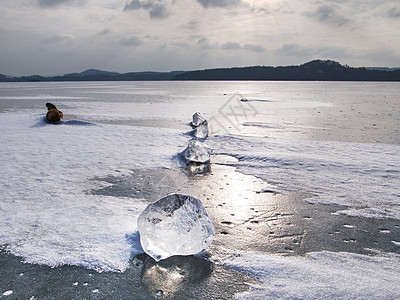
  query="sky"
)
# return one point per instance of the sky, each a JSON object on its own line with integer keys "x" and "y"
{"x": 54, "y": 37}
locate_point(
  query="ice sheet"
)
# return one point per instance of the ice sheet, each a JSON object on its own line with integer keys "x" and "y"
{"x": 321, "y": 275}
{"x": 48, "y": 217}
{"x": 362, "y": 176}
{"x": 47, "y": 213}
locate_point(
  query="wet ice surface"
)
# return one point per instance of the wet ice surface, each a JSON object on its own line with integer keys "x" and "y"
{"x": 361, "y": 176}
{"x": 336, "y": 140}
{"x": 267, "y": 222}
{"x": 175, "y": 277}
{"x": 175, "y": 225}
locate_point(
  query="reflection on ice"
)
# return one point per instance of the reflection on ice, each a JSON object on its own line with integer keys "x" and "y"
{"x": 197, "y": 168}
{"x": 166, "y": 278}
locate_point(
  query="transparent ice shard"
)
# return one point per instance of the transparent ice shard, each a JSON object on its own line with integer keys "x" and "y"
{"x": 175, "y": 225}
{"x": 201, "y": 131}
{"x": 197, "y": 119}
{"x": 197, "y": 151}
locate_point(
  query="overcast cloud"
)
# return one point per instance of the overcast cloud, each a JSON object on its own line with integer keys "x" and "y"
{"x": 156, "y": 8}
{"x": 50, "y": 37}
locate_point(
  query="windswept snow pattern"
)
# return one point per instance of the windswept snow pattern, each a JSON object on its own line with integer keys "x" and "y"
{"x": 47, "y": 212}
{"x": 320, "y": 275}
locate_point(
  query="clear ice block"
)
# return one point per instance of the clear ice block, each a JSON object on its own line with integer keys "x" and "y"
{"x": 175, "y": 225}
{"x": 201, "y": 131}
{"x": 197, "y": 151}
{"x": 197, "y": 119}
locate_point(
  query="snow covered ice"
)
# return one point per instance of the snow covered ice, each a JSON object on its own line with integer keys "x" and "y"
{"x": 300, "y": 140}
{"x": 197, "y": 119}
{"x": 175, "y": 225}
{"x": 197, "y": 151}
{"x": 201, "y": 131}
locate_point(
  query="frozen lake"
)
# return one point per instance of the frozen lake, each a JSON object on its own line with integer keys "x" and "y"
{"x": 336, "y": 140}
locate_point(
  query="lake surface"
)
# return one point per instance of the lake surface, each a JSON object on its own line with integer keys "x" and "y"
{"x": 335, "y": 111}
{"x": 338, "y": 141}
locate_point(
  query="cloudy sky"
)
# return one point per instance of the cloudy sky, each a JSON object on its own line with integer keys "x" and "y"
{"x": 50, "y": 37}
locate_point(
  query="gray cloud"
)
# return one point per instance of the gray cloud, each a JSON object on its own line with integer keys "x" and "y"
{"x": 104, "y": 32}
{"x": 237, "y": 46}
{"x": 382, "y": 57}
{"x": 205, "y": 44}
{"x": 219, "y": 3}
{"x": 57, "y": 38}
{"x": 130, "y": 42}
{"x": 155, "y": 8}
{"x": 54, "y": 3}
{"x": 230, "y": 46}
{"x": 254, "y": 48}
{"x": 299, "y": 51}
{"x": 394, "y": 13}
{"x": 295, "y": 50}
{"x": 328, "y": 14}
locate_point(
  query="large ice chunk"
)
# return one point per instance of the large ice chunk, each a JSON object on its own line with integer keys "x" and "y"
{"x": 201, "y": 131}
{"x": 197, "y": 119}
{"x": 197, "y": 151}
{"x": 175, "y": 225}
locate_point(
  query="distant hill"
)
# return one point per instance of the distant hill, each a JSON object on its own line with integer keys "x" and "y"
{"x": 92, "y": 72}
{"x": 96, "y": 75}
{"x": 321, "y": 70}
{"x": 324, "y": 70}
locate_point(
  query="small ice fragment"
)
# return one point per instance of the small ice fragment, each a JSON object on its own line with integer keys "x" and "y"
{"x": 75, "y": 283}
{"x": 396, "y": 243}
{"x": 201, "y": 131}
{"x": 159, "y": 293}
{"x": 197, "y": 151}
{"x": 197, "y": 119}
{"x": 175, "y": 225}
{"x": 349, "y": 226}
{"x": 8, "y": 293}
